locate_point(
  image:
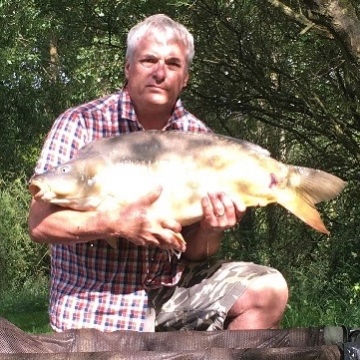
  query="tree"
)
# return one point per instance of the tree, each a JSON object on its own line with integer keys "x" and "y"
{"x": 283, "y": 74}
{"x": 267, "y": 73}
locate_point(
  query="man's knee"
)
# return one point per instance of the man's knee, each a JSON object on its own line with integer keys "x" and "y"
{"x": 270, "y": 290}
{"x": 268, "y": 294}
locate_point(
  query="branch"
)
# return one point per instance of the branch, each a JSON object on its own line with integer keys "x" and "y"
{"x": 291, "y": 13}
{"x": 300, "y": 18}
{"x": 336, "y": 19}
{"x": 341, "y": 18}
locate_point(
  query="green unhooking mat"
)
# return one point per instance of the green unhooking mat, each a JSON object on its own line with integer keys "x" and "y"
{"x": 330, "y": 343}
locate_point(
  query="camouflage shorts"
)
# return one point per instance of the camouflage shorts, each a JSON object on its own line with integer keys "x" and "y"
{"x": 204, "y": 295}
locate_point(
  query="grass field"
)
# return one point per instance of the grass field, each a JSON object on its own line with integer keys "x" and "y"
{"x": 27, "y": 308}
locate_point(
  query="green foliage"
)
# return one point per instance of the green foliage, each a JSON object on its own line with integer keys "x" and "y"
{"x": 316, "y": 300}
{"x": 26, "y": 306}
{"x": 257, "y": 75}
{"x": 20, "y": 258}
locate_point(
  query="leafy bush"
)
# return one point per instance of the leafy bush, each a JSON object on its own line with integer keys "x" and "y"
{"x": 20, "y": 258}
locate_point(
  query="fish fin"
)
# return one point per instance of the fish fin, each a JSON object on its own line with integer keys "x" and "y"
{"x": 180, "y": 238}
{"x": 113, "y": 242}
{"x": 246, "y": 145}
{"x": 306, "y": 212}
{"x": 306, "y": 188}
{"x": 316, "y": 185}
{"x": 174, "y": 252}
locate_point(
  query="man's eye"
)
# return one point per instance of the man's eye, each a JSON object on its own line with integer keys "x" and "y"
{"x": 174, "y": 66}
{"x": 148, "y": 62}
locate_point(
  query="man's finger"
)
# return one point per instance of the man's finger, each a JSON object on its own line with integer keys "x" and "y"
{"x": 171, "y": 225}
{"x": 152, "y": 196}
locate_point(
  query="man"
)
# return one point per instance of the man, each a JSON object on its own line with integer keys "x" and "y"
{"x": 139, "y": 284}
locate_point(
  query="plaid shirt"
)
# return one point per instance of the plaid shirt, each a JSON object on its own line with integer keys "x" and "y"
{"x": 92, "y": 284}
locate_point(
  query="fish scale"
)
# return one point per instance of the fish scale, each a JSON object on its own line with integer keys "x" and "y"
{"x": 187, "y": 166}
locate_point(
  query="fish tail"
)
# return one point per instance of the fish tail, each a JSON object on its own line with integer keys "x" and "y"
{"x": 307, "y": 187}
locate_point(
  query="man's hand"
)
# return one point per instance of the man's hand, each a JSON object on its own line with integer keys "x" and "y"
{"x": 220, "y": 212}
{"x": 136, "y": 223}
{"x": 203, "y": 239}
{"x": 53, "y": 224}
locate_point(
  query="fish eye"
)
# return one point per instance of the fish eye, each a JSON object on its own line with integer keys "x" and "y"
{"x": 65, "y": 169}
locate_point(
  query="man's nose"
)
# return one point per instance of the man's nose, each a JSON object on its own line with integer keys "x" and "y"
{"x": 159, "y": 71}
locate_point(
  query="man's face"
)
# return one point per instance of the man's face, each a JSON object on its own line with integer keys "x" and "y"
{"x": 157, "y": 72}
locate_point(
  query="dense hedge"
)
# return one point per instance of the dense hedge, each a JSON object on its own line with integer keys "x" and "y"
{"x": 20, "y": 258}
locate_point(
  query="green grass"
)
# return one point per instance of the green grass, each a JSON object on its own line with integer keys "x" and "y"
{"x": 26, "y": 307}
{"x": 334, "y": 306}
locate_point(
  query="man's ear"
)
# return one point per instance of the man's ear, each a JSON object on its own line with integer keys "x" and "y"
{"x": 186, "y": 80}
{"x": 127, "y": 65}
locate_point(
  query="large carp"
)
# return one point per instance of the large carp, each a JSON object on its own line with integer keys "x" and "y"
{"x": 188, "y": 166}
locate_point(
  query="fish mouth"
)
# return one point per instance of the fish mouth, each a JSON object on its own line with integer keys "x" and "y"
{"x": 34, "y": 190}
{"x": 41, "y": 192}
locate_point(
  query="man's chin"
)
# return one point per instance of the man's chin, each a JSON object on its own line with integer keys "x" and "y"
{"x": 157, "y": 100}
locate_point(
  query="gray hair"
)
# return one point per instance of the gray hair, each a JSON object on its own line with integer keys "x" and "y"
{"x": 154, "y": 24}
